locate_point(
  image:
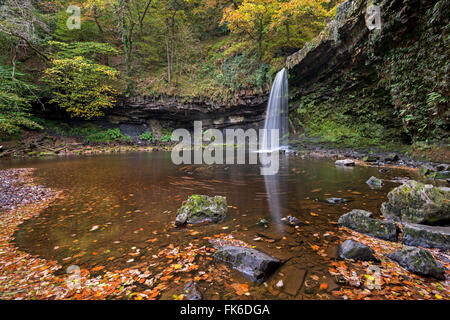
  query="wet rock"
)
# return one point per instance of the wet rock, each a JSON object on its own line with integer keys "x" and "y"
{"x": 362, "y": 221}
{"x": 416, "y": 202}
{"x": 201, "y": 208}
{"x": 346, "y": 162}
{"x": 439, "y": 172}
{"x": 392, "y": 157}
{"x": 337, "y": 200}
{"x": 351, "y": 249}
{"x": 371, "y": 158}
{"x": 292, "y": 221}
{"x": 294, "y": 280}
{"x": 192, "y": 291}
{"x": 374, "y": 181}
{"x": 252, "y": 263}
{"x": 426, "y": 236}
{"x": 418, "y": 261}
{"x": 262, "y": 222}
{"x": 426, "y": 170}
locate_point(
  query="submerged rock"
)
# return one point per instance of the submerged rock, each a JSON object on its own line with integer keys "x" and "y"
{"x": 201, "y": 208}
{"x": 252, "y": 263}
{"x": 362, "y": 221}
{"x": 346, "y": 162}
{"x": 337, "y": 200}
{"x": 292, "y": 221}
{"x": 374, "y": 181}
{"x": 351, "y": 249}
{"x": 426, "y": 236}
{"x": 416, "y": 202}
{"x": 418, "y": 261}
{"x": 192, "y": 291}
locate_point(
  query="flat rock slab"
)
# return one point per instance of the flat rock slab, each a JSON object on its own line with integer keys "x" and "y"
{"x": 418, "y": 261}
{"x": 426, "y": 236}
{"x": 294, "y": 280}
{"x": 252, "y": 263}
{"x": 362, "y": 221}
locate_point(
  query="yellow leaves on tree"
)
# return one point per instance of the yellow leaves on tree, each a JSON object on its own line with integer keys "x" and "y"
{"x": 82, "y": 87}
{"x": 293, "y": 22}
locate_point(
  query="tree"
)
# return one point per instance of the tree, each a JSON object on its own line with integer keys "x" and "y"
{"x": 20, "y": 20}
{"x": 308, "y": 17}
{"x": 15, "y": 97}
{"x": 83, "y": 87}
{"x": 252, "y": 19}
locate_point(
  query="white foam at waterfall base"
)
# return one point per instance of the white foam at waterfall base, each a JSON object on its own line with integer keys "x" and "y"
{"x": 277, "y": 115}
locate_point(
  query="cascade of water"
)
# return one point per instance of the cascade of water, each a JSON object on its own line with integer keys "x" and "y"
{"x": 277, "y": 114}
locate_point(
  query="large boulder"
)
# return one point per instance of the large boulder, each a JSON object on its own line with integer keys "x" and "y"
{"x": 426, "y": 236}
{"x": 418, "y": 261}
{"x": 416, "y": 202}
{"x": 362, "y": 221}
{"x": 351, "y": 249}
{"x": 252, "y": 263}
{"x": 201, "y": 208}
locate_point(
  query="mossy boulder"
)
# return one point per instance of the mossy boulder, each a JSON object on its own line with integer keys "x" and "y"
{"x": 416, "y": 202}
{"x": 426, "y": 236}
{"x": 362, "y": 221}
{"x": 200, "y": 209}
{"x": 351, "y": 249}
{"x": 251, "y": 262}
{"x": 418, "y": 261}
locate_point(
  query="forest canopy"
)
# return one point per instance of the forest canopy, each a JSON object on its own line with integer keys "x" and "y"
{"x": 128, "y": 47}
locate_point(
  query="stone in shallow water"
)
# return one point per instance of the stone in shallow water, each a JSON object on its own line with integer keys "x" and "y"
{"x": 374, "y": 181}
{"x": 337, "y": 200}
{"x": 201, "y": 208}
{"x": 362, "y": 221}
{"x": 418, "y": 261}
{"x": 192, "y": 291}
{"x": 426, "y": 236}
{"x": 345, "y": 162}
{"x": 416, "y": 202}
{"x": 252, "y": 263}
{"x": 351, "y": 249}
{"x": 292, "y": 221}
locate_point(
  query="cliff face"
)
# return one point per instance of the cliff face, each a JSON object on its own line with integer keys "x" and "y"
{"x": 376, "y": 85}
{"x": 244, "y": 111}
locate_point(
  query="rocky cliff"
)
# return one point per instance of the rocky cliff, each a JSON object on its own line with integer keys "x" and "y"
{"x": 376, "y": 85}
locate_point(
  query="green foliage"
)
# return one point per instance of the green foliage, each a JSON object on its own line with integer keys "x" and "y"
{"x": 110, "y": 135}
{"x": 15, "y": 97}
{"x": 82, "y": 87}
{"x": 414, "y": 73}
{"x": 166, "y": 135}
{"x": 89, "y": 50}
{"x": 241, "y": 72}
{"x": 147, "y": 136}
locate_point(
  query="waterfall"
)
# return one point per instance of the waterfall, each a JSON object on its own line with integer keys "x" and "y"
{"x": 277, "y": 115}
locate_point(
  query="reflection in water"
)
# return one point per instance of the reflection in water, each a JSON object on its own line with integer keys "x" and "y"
{"x": 276, "y": 195}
